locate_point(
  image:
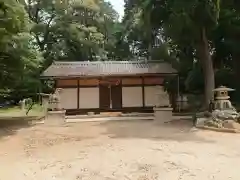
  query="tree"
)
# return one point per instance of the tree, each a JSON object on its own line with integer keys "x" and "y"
{"x": 18, "y": 57}
{"x": 229, "y": 36}
{"x": 72, "y": 30}
{"x": 184, "y": 23}
{"x": 118, "y": 48}
{"x": 193, "y": 22}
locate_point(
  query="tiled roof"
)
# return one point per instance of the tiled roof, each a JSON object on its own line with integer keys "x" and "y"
{"x": 106, "y": 68}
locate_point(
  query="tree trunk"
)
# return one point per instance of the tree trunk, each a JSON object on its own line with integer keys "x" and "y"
{"x": 203, "y": 52}
{"x": 150, "y": 50}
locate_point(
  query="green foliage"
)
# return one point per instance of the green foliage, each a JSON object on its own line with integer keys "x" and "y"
{"x": 178, "y": 28}
{"x": 73, "y": 30}
{"x": 34, "y": 33}
{"x": 18, "y": 57}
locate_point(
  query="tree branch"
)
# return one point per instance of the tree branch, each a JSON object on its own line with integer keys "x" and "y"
{"x": 46, "y": 33}
{"x": 36, "y": 17}
{"x": 40, "y": 44}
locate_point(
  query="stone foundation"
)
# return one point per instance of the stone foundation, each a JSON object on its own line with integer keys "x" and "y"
{"x": 55, "y": 118}
{"x": 162, "y": 115}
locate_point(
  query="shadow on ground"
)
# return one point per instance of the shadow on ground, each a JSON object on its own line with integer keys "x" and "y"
{"x": 181, "y": 129}
{"x": 178, "y": 130}
{"x": 10, "y": 125}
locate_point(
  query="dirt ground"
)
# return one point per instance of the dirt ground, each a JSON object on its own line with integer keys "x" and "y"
{"x": 136, "y": 150}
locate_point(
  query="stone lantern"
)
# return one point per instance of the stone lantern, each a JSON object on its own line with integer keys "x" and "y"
{"x": 222, "y": 99}
{"x": 223, "y": 110}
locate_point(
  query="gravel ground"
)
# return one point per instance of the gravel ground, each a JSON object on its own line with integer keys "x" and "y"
{"x": 137, "y": 150}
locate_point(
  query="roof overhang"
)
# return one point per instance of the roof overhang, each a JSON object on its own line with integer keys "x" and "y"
{"x": 66, "y": 70}
{"x": 104, "y": 76}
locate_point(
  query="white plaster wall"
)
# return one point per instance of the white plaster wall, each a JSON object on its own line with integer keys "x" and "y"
{"x": 68, "y": 98}
{"x": 151, "y": 97}
{"x": 89, "y": 98}
{"x": 132, "y": 97}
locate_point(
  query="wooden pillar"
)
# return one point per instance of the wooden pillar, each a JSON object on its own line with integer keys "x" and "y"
{"x": 143, "y": 91}
{"x": 121, "y": 86}
{"x": 55, "y": 84}
{"x": 78, "y": 93}
{"x": 99, "y": 81}
{"x": 40, "y": 91}
{"x": 178, "y": 91}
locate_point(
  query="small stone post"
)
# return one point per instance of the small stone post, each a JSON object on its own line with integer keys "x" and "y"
{"x": 162, "y": 110}
{"x": 22, "y": 105}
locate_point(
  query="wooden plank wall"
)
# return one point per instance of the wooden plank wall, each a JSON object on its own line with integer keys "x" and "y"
{"x": 125, "y": 81}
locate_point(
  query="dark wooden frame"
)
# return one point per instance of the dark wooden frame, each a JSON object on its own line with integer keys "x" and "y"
{"x": 78, "y": 94}
{"x": 147, "y": 85}
{"x": 143, "y": 108}
{"x": 121, "y": 77}
{"x": 98, "y": 110}
{"x": 143, "y": 91}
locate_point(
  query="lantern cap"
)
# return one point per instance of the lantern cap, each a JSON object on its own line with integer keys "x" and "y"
{"x": 223, "y": 88}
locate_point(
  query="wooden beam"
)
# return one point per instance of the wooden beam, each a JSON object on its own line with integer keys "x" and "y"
{"x": 98, "y": 110}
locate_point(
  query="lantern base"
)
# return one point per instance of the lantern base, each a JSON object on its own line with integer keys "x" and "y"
{"x": 55, "y": 118}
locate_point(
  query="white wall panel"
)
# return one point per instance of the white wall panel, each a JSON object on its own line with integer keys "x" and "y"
{"x": 89, "y": 98}
{"x": 68, "y": 98}
{"x": 132, "y": 97}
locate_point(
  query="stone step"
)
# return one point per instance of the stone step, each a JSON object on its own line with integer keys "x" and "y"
{"x": 109, "y": 115}
{"x": 74, "y": 120}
